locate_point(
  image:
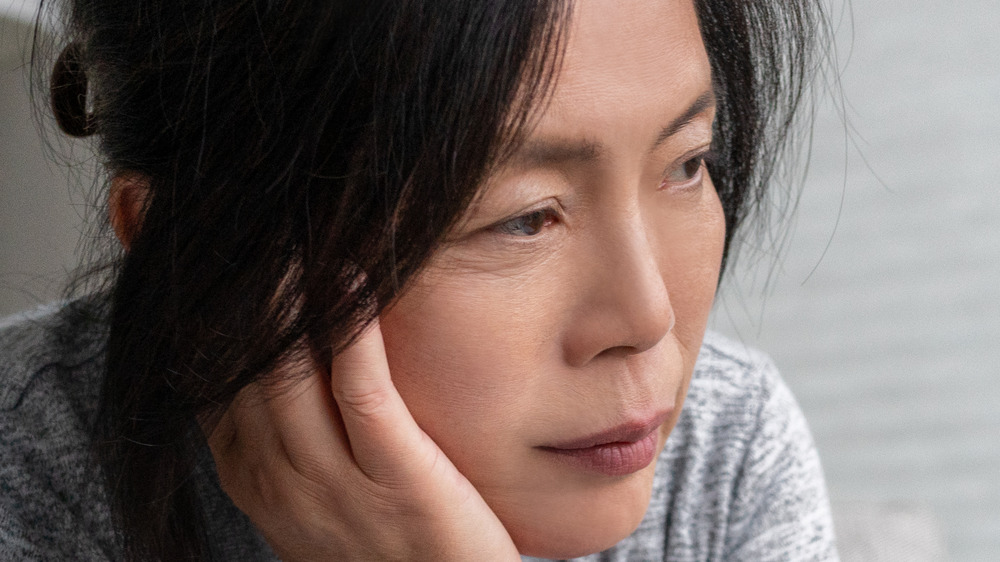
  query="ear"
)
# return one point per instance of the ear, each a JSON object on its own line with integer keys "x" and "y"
{"x": 126, "y": 205}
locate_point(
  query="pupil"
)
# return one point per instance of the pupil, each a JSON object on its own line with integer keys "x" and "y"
{"x": 533, "y": 223}
{"x": 692, "y": 166}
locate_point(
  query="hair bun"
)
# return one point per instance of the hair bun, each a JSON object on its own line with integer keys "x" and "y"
{"x": 69, "y": 93}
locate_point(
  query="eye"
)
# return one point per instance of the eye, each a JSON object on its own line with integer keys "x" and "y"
{"x": 528, "y": 224}
{"x": 687, "y": 174}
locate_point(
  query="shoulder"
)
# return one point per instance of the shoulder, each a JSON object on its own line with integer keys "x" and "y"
{"x": 741, "y": 416}
{"x": 51, "y": 364}
{"x": 66, "y": 336}
{"x": 57, "y": 348}
{"x": 734, "y": 394}
{"x": 732, "y": 378}
{"x": 735, "y": 397}
{"x": 739, "y": 477}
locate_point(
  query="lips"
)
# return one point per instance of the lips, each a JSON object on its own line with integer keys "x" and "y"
{"x": 617, "y": 451}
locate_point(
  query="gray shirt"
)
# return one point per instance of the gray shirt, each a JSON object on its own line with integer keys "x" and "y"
{"x": 739, "y": 478}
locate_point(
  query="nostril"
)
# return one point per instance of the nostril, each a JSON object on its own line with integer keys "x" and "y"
{"x": 620, "y": 352}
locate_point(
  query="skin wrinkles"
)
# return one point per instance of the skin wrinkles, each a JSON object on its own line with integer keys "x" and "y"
{"x": 505, "y": 344}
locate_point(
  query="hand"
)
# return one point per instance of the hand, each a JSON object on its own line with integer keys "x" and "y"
{"x": 333, "y": 467}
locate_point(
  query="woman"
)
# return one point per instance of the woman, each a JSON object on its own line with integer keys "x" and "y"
{"x": 416, "y": 280}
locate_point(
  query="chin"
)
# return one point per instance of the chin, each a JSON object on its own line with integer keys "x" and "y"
{"x": 562, "y": 543}
{"x": 592, "y": 521}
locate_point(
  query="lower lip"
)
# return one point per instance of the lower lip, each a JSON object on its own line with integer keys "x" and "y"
{"x": 612, "y": 459}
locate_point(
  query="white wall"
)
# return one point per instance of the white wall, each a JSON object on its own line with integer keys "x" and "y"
{"x": 39, "y": 220}
{"x": 19, "y": 10}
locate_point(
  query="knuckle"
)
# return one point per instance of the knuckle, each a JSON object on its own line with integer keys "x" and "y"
{"x": 264, "y": 487}
{"x": 313, "y": 472}
{"x": 363, "y": 403}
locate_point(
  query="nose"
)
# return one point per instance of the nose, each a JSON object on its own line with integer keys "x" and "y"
{"x": 624, "y": 306}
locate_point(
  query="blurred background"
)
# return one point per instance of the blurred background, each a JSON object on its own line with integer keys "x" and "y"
{"x": 882, "y": 309}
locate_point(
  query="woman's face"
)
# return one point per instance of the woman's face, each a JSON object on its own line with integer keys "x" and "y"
{"x": 547, "y": 348}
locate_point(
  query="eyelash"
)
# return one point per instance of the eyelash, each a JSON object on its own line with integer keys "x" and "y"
{"x": 694, "y": 178}
{"x": 510, "y": 226}
{"x": 533, "y": 222}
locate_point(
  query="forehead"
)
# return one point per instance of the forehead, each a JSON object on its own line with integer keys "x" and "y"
{"x": 626, "y": 64}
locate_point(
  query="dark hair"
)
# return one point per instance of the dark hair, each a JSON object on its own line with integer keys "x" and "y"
{"x": 292, "y": 145}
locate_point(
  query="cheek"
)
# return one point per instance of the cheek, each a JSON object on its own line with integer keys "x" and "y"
{"x": 690, "y": 265}
{"x": 462, "y": 350}
{"x": 437, "y": 348}
{"x": 691, "y": 261}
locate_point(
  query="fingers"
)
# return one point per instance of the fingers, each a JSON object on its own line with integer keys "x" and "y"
{"x": 333, "y": 466}
{"x": 303, "y": 414}
{"x": 352, "y": 418}
{"x": 386, "y": 442}
{"x": 275, "y": 434}
{"x": 244, "y": 443}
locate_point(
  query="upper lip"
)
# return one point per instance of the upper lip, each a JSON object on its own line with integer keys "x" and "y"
{"x": 628, "y": 432}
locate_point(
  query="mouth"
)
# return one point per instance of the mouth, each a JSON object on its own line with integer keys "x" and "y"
{"x": 621, "y": 450}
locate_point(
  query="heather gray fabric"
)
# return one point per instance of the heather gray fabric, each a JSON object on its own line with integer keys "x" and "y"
{"x": 739, "y": 478}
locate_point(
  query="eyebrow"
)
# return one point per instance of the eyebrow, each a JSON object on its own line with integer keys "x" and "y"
{"x": 705, "y": 101}
{"x": 537, "y": 154}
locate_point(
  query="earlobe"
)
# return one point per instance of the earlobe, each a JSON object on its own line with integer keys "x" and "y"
{"x": 126, "y": 205}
